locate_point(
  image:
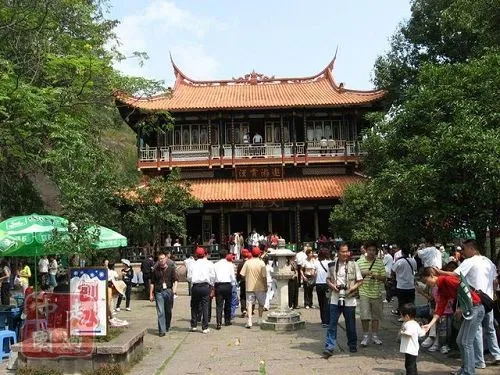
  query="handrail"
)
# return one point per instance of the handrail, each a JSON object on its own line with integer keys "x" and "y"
{"x": 330, "y": 147}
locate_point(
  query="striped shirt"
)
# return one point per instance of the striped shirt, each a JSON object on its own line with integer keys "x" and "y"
{"x": 371, "y": 288}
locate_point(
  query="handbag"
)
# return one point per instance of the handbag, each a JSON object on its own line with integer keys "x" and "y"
{"x": 328, "y": 293}
{"x": 486, "y": 300}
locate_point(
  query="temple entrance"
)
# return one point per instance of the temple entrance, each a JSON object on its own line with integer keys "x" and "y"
{"x": 323, "y": 222}
{"x": 259, "y": 222}
{"x": 281, "y": 224}
{"x": 237, "y": 222}
{"x": 307, "y": 226}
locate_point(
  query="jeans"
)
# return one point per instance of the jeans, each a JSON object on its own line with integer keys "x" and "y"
{"x": 223, "y": 296}
{"x": 423, "y": 311}
{"x": 324, "y": 304}
{"x": 491, "y": 339}
{"x": 164, "y": 304}
{"x": 411, "y": 364}
{"x": 350, "y": 325}
{"x": 200, "y": 297}
{"x": 465, "y": 339}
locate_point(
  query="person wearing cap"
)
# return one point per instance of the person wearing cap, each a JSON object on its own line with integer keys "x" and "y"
{"x": 162, "y": 289}
{"x": 127, "y": 276}
{"x": 202, "y": 276}
{"x": 254, "y": 272}
{"x": 224, "y": 281}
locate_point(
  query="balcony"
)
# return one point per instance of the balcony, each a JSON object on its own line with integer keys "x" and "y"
{"x": 317, "y": 152}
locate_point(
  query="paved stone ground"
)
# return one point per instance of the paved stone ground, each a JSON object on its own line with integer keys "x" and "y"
{"x": 236, "y": 350}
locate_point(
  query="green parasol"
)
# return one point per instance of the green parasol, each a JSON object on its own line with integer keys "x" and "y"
{"x": 9, "y": 243}
{"x": 106, "y": 238}
{"x": 33, "y": 230}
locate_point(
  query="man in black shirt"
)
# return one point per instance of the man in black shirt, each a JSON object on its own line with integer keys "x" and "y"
{"x": 146, "y": 268}
{"x": 162, "y": 289}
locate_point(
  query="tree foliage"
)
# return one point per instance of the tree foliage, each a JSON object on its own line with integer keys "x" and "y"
{"x": 158, "y": 205}
{"x": 433, "y": 157}
{"x": 56, "y": 105}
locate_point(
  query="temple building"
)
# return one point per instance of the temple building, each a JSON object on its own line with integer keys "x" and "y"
{"x": 259, "y": 151}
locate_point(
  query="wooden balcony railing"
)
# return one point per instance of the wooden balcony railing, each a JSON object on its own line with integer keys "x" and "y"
{"x": 227, "y": 153}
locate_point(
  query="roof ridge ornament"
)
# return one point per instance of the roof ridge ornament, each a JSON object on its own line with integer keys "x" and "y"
{"x": 253, "y": 78}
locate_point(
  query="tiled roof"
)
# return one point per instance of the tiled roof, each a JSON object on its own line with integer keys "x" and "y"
{"x": 303, "y": 188}
{"x": 254, "y": 91}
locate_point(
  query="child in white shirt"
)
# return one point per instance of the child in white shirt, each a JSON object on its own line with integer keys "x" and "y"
{"x": 410, "y": 332}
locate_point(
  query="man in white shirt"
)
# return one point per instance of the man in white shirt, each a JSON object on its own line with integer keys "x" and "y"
{"x": 225, "y": 278}
{"x": 388, "y": 261}
{"x": 43, "y": 269}
{"x": 344, "y": 278}
{"x": 300, "y": 258}
{"x": 53, "y": 267}
{"x": 202, "y": 276}
{"x": 254, "y": 238}
{"x": 257, "y": 138}
{"x": 480, "y": 274}
{"x": 430, "y": 255}
{"x": 188, "y": 263}
{"x": 405, "y": 268}
{"x": 321, "y": 286}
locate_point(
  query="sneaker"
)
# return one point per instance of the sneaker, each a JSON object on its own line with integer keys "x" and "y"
{"x": 117, "y": 309}
{"x": 194, "y": 329}
{"x": 376, "y": 340}
{"x": 434, "y": 347}
{"x": 128, "y": 309}
{"x": 445, "y": 349}
{"x": 427, "y": 342}
{"x": 480, "y": 366}
{"x": 324, "y": 325}
{"x": 307, "y": 307}
{"x": 248, "y": 325}
{"x": 394, "y": 312}
{"x": 205, "y": 331}
{"x": 327, "y": 353}
{"x": 385, "y": 301}
{"x": 365, "y": 340}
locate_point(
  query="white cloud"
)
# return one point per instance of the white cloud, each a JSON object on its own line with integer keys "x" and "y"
{"x": 161, "y": 27}
{"x": 194, "y": 61}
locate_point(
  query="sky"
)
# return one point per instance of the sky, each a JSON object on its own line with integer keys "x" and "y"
{"x": 222, "y": 39}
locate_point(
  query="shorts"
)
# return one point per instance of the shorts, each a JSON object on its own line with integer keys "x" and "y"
{"x": 370, "y": 308}
{"x": 260, "y": 297}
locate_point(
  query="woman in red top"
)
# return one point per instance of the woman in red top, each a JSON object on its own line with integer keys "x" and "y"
{"x": 448, "y": 287}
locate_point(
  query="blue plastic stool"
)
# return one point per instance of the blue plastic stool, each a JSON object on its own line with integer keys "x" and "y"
{"x": 4, "y": 335}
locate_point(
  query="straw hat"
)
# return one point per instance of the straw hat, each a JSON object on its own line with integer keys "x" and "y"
{"x": 119, "y": 286}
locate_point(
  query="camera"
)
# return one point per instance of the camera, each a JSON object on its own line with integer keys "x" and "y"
{"x": 342, "y": 294}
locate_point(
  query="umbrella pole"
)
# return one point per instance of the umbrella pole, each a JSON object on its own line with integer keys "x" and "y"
{"x": 35, "y": 289}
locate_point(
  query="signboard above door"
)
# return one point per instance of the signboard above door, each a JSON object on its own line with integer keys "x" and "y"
{"x": 259, "y": 172}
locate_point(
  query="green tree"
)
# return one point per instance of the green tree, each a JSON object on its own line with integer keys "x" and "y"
{"x": 159, "y": 205}
{"x": 433, "y": 157}
{"x": 57, "y": 85}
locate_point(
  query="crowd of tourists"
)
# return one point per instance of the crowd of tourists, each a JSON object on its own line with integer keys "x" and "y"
{"x": 459, "y": 288}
